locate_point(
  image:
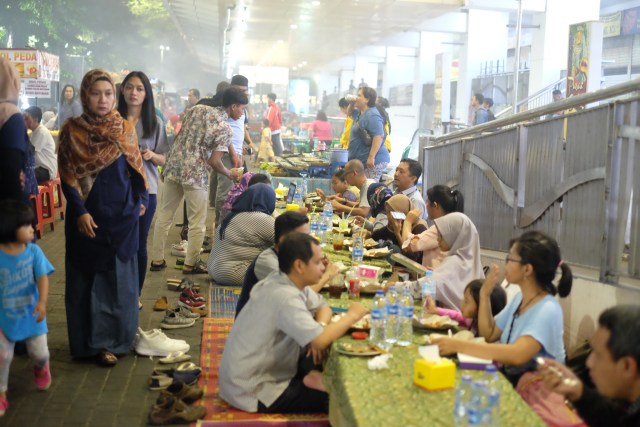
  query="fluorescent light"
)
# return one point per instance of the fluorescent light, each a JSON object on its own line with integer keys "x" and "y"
{"x": 315, "y": 3}
{"x": 280, "y": 41}
{"x": 293, "y": 26}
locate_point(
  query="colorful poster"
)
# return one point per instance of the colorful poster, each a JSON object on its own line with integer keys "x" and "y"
{"x": 578, "y": 68}
{"x": 585, "y": 57}
{"x": 630, "y": 21}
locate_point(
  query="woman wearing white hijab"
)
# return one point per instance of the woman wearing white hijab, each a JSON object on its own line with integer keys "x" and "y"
{"x": 458, "y": 236}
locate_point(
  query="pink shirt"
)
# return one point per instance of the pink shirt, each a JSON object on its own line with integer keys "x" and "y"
{"x": 427, "y": 243}
{"x": 321, "y": 130}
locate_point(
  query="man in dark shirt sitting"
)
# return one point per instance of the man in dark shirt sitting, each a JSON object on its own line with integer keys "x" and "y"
{"x": 614, "y": 367}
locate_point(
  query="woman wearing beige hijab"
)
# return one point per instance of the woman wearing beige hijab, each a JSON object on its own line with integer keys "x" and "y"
{"x": 459, "y": 238}
{"x": 393, "y": 231}
{"x": 14, "y": 143}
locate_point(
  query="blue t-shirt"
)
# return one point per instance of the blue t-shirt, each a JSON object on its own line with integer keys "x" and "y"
{"x": 373, "y": 123}
{"x": 543, "y": 322}
{"x": 19, "y": 292}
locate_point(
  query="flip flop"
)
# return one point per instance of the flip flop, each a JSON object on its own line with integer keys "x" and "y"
{"x": 175, "y": 357}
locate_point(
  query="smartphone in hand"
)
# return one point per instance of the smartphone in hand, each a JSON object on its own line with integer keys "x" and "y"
{"x": 398, "y": 215}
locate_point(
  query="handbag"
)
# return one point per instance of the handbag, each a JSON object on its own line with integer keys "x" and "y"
{"x": 364, "y": 134}
{"x": 552, "y": 407}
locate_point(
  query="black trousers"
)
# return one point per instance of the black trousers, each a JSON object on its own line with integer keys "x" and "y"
{"x": 298, "y": 398}
{"x": 42, "y": 174}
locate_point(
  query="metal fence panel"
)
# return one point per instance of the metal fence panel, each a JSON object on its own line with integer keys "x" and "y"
{"x": 543, "y": 172}
{"x": 583, "y": 206}
{"x": 489, "y": 179}
{"x": 442, "y": 165}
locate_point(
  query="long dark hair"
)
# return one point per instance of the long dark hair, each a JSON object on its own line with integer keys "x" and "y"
{"x": 148, "y": 113}
{"x": 63, "y": 100}
{"x": 450, "y": 200}
{"x": 543, "y": 253}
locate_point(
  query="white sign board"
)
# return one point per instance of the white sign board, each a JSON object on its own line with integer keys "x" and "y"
{"x": 36, "y": 88}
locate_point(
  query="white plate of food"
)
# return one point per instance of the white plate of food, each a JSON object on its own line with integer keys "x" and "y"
{"x": 358, "y": 349}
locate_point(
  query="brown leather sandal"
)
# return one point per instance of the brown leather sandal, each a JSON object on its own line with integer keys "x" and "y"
{"x": 106, "y": 358}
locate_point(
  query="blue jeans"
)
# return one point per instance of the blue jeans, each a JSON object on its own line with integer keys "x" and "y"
{"x": 145, "y": 225}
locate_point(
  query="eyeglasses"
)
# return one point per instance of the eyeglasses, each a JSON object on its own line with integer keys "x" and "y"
{"x": 508, "y": 258}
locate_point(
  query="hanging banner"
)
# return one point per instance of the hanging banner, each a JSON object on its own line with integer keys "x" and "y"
{"x": 630, "y": 24}
{"x": 584, "y": 69}
{"x": 33, "y": 64}
{"x": 611, "y": 24}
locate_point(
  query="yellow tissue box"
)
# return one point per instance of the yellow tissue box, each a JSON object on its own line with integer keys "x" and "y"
{"x": 434, "y": 376}
{"x": 292, "y": 207}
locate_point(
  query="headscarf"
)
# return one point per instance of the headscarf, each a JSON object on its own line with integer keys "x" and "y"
{"x": 462, "y": 263}
{"x": 401, "y": 203}
{"x": 90, "y": 143}
{"x": 377, "y": 195}
{"x": 257, "y": 198}
{"x": 235, "y": 192}
{"x": 9, "y": 90}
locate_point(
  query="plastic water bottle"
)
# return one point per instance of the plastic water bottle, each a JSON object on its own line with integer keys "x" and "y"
{"x": 298, "y": 198}
{"x": 313, "y": 224}
{"x": 315, "y": 144}
{"x": 492, "y": 413}
{"x": 392, "y": 305}
{"x": 463, "y": 396}
{"x": 358, "y": 250}
{"x": 405, "y": 318}
{"x": 322, "y": 232}
{"x": 477, "y": 404}
{"x": 378, "y": 315}
{"x": 328, "y": 214}
{"x": 428, "y": 289}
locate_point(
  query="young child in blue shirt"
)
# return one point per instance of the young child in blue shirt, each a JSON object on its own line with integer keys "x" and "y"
{"x": 24, "y": 288}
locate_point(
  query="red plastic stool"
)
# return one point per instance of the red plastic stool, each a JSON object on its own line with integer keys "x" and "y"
{"x": 55, "y": 187}
{"x": 47, "y": 205}
{"x": 36, "y": 200}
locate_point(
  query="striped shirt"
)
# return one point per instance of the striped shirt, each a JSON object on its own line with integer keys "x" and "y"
{"x": 246, "y": 236}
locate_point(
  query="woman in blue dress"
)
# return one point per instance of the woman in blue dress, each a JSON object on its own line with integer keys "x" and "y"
{"x": 103, "y": 179}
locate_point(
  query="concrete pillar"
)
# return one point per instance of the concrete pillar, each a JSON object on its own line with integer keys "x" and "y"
{"x": 550, "y": 43}
{"x": 486, "y": 40}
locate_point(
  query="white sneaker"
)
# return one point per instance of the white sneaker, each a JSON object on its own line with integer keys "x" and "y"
{"x": 155, "y": 343}
{"x": 178, "y": 252}
{"x": 182, "y": 246}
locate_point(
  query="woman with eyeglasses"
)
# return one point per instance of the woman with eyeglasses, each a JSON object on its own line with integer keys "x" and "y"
{"x": 531, "y": 324}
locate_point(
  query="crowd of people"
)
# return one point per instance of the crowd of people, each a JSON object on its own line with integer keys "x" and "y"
{"x": 108, "y": 161}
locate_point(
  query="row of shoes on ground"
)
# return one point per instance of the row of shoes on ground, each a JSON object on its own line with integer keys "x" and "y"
{"x": 156, "y": 343}
{"x": 172, "y": 406}
{"x": 163, "y": 375}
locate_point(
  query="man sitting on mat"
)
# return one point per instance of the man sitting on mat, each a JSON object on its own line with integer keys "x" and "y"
{"x": 267, "y": 262}
{"x": 262, "y": 367}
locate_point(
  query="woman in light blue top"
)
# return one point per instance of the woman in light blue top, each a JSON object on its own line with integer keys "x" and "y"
{"x": 531, "y": 324}
{"x": 135, "y": 103}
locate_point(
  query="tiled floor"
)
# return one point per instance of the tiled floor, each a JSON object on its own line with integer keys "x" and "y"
{"x": 83, "y": 393}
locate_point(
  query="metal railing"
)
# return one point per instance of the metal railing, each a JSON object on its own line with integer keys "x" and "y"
{"x": 571, "y": 176}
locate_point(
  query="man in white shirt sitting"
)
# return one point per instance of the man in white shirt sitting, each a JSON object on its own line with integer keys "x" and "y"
{"x": 405, "y": 180}
{"x": 45, "y": 149}
{"x": 261, "y": 368}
